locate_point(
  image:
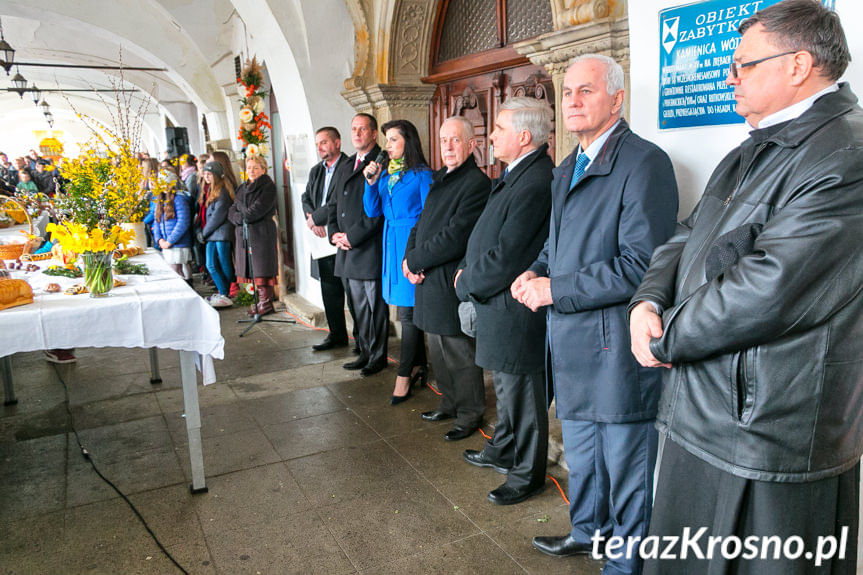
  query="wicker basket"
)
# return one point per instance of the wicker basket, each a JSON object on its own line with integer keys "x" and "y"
{"x": 14, "y": 251}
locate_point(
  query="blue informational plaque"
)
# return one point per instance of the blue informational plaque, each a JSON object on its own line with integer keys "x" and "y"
{"x": 696, "y": 43}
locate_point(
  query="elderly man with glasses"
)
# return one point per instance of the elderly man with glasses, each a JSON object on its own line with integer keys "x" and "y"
{"x": 756, "y": 306}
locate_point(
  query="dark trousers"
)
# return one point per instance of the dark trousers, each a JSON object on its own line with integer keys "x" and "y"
{"x": 520, "y": 439}
{"x": 458, "y": 378}
{"x": 370, "y": 316}
{"x": 692, "y": 493}
{"x": 610, "y": 482}
{"x": 413, "y": 344}
{"x": 333, "y": 294}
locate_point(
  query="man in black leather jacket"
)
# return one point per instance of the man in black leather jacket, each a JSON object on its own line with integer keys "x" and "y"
{"x": 756, "y": 306}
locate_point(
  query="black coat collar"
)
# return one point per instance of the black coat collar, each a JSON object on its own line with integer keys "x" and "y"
{"x": 512, "y": 177}
{"x": 443, "y": 174}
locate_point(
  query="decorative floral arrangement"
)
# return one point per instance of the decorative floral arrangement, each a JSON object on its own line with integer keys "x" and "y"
{"x": 103, "y": 187}
{"x": 80, "y": 239}
{"x": 254, "y": 123}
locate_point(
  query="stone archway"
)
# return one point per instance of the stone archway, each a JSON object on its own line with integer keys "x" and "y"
{"x": 387, "y": 77}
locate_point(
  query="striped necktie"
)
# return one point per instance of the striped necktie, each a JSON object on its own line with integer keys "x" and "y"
{"x": 581, "y": 162}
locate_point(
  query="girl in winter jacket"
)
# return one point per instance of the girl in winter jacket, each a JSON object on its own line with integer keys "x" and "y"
{"x": 218, "y": 232}
{"x": 172, "y": 226}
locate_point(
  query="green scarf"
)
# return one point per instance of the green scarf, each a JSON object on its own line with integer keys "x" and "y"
{"x": 395, "y": 170}
{"x": 396, "y": 165}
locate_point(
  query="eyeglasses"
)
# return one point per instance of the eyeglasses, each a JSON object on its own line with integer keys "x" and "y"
{"x": 734, "y": 67}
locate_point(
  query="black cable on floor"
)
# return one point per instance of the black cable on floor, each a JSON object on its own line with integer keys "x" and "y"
{"x": 86, "y": 455}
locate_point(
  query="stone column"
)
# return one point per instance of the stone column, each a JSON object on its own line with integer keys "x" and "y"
{"x": 555, "y": 49}
{"x": 385, "y": 102}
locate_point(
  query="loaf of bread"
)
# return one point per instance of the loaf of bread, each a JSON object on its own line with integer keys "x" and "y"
{"x": 14, "y": 292}
{"x": 128, "y": 252}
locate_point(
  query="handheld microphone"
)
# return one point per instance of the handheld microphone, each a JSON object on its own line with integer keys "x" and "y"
{"x": 383, "y": 159}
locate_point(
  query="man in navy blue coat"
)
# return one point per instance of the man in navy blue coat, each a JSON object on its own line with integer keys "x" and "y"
{"x": 614, "y": 199}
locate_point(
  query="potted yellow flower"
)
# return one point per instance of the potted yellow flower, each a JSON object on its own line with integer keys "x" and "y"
{"x": 95, "y": 247}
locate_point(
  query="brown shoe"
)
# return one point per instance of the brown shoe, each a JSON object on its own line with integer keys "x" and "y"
{"x": 265, "y": 300}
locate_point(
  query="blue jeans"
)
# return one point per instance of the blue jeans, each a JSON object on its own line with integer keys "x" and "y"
{"x": 220, "y": 265}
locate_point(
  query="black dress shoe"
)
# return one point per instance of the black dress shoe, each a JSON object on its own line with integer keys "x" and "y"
{"x": 329, "y": 343}
{"x": 506, "y": 495}
{"x": 458, "y": 433}
{"x": 480, "y": 459}
{"x": 373, "y": 368}
{"x": 436, "y": 415}
{"x": 358, "y": 363}
{"x": 562, "y": 546}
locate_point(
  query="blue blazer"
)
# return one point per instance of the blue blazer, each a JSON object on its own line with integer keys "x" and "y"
{"x": 401, "y": 209}
{"x": 602, "y": 235}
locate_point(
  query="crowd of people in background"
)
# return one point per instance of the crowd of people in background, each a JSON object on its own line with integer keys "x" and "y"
{"x": 31, "y": 174}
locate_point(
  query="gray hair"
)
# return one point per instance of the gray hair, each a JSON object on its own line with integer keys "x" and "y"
{"x": 467, "y": 129}
{"x": 809, "y": 26}
{"x": 532, "y": 115}
{"x": 613, "y": 71}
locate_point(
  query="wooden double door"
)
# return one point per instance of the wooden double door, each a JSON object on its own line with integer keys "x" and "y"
{"x": 478, "y": 98}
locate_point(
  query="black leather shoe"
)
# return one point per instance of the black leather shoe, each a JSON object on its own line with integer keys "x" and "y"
{"x": 506, "y": 495}
{"x": 435, "y": 415}
{"x": 458, "y": 433}
{"x": 329, "y": 343}
{"x": 562, "y": 546}
{"x": 480, "y": 459}
{"x": 358, "y": 363}
{"x": 373, "y": 368}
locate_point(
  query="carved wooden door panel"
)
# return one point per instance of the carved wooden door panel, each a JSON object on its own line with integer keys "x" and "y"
{"x": 479, "y": 98}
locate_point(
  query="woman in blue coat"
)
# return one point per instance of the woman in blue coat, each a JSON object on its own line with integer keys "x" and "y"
{"x": 399, "y": 194}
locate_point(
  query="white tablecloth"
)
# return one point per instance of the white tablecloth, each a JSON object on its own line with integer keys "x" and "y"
{"x": 156, "y": 310}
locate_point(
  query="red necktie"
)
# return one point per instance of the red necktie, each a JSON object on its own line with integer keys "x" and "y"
{"x": 358, "y": 162}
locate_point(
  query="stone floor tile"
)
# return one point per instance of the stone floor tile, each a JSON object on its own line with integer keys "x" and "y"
{"x": 515, "y": 538}
{"x": 216, "y": 420}
{"x": 474, "y": 554}
{"x": 292, "y": 405}
{"x": 253, "y": 386}
{"x": 115, "y": 442}
{"x": 389, "y": 420}
{"x": 171, "y": 400}
{"x": 299, "y": 543}
{"x": 248, "y": 498}
{"x": 227, "y": 453}
{"x": 33, "y": 544}
{"x": 53, "y": 420}
{"x": 110, "y": 411}
{"x": 339, "y": 476}
{"x": 319, "y": 433}
{"x": 134, "y": 472}
{"x": 32, "y": 477}
{"x": 397, "y": 522}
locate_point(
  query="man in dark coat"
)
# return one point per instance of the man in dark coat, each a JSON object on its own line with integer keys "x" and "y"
{"x": 614, "y": 199}
{"x": 359, "y": 238}
{"x": 756, "y": 305}
{"x": 435, "y": 247}
{"x": 319, "y": 191}
{"x": 511, "y": 338}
